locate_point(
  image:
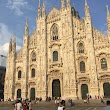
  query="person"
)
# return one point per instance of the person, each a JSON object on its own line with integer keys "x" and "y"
{"x": 108, "y": 106}
{"x": 30, "y": 105}
{"x": 25, "y": 106}
{"x": 61, "y": 107}
{"x": 88, "y": 98}
{"x": 18, "y": 105}
{"x": 102, "y": 101}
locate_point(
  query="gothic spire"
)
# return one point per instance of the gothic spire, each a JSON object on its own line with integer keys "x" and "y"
{"x": 14, "y": 44}
{"x": 43, "y": 10}
{"x": 108, "y": 21}
{"x": 26, "y": 27}
{"x": 39, "y": 10}
{"x": 68, "y": 3}
{"x": 10, "y": 45}
{"x": 87, "y": 13}
{"x": 62, "y": 4}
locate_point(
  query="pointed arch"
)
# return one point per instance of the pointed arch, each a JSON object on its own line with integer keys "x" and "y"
{"x": 33, "y": 56}
{"x": 33, "y": 72}
{"x": 80, "y": 47}
{"x": 54, "y": 32}
{"x": 82, "y": 66}
{"x": 55, "y": 56}
{"x": 19, "y": 74}
{"x": 103, "y": 63}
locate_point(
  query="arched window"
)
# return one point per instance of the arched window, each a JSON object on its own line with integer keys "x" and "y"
{"x": 55, "y": 56}
{"x": 82, "y": 66}
{"x": 19, "y": 93}
{"x": 19, "y": 74}
{"x": 103, "y": 63}
{"x": 33, "y": 72}
{"x": 54, "y": 32}
{"x": 33, "y": 56}
{"x": 81, "y": 48}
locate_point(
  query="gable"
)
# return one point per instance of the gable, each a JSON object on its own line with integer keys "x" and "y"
{"x": 53, "y": 13}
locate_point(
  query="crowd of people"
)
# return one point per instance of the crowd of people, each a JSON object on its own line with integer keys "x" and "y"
{"x": 22, "y": 105}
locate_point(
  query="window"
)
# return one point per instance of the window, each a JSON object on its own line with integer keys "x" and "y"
{"x": 33, "y": 73}
{"x": 103, "y": 63}
{"x": 81, "y": 48}
{"x": 54, "y": 32}
{"x": 55, "y": 56}
{"x": 33, "y": 56}
{"x": 19, "y": 74}
{"x": 82, "y": 66}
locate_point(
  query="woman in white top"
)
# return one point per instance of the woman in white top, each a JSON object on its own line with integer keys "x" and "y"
{"x": 61, "y": 107}
{"x": 18, "y": 105}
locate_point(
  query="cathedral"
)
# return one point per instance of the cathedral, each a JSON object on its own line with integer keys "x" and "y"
{"x": 65, "y": 57}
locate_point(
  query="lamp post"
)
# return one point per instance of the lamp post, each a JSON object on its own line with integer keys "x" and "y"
{"x": 1, "y": 56}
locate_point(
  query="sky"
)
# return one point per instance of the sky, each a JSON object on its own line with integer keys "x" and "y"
{"x": 13, "y": 14}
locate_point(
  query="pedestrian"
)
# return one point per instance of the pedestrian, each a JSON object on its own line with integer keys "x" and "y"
{"x": 18, "y": 105}
{"x": 102, "y": 100}
{"x": 25, "y": 106}
{"x": 88, "y": 97}
{"x": 61, "y": 106}
{"x": 30, "y": 105}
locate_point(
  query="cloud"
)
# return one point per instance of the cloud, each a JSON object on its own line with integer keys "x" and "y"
{"x": 5, "y": 35}
{"x": 3, "y": 51}
{"x": 17, "y": 6}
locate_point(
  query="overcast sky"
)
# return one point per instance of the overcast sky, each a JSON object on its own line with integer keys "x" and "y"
{"x": 13, "y": 15}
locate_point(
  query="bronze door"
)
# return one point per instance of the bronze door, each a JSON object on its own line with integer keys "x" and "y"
{"x": 84, "y": 91}
{"x": 56, "y": 92}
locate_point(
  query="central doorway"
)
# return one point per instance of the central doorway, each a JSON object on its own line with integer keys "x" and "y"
{"x": 84, "y": 91}
{"x": 56, "y": 91}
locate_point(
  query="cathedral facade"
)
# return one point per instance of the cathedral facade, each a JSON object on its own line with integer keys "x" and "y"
{"x": 64, "y": 57}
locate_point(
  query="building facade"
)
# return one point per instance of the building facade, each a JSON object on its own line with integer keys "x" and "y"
{"x": 64, "y": 57}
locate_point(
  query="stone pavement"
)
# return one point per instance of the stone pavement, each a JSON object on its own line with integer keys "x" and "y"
{"x": 79, "y": 105}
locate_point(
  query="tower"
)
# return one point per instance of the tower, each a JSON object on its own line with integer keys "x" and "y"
{"x": 10, "y": 71}
{"x": 91, "y": 52}
{"x": 24, "y": 85}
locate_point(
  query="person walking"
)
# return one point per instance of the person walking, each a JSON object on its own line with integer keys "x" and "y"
{"x": 18, "y": 105}
{"x": 60, "y": 107}
{"x": 30, "y": 105}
